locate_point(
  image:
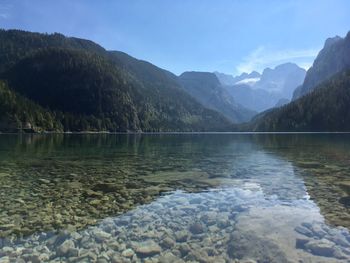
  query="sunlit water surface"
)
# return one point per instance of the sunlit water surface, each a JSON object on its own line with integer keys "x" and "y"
{"x": 175, "y": 198}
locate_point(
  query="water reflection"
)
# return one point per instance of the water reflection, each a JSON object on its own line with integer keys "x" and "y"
{"x": 167, "y": 198}
{"x": 323, "y": 162}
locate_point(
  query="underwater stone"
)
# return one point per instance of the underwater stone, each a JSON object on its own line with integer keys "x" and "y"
{"x": 196, "y": 228}
{"x": 301, "y": 242}
{"x": 128, "y": 253}
{"x": 321, "y": 247}
{"x": 101, "y": 235}
{"x": 65, "y": 247}
{"x": 304, "y": 231}
{"x": 181, "y": 236}
{"x": 147, "y": 248}
{"x": 168, "y": 242}
{"x": 44, "y": 181}
{"x": 184, "y": 249}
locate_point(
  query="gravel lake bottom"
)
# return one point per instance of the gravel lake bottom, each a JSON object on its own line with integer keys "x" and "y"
{"x": 175, "y": 198}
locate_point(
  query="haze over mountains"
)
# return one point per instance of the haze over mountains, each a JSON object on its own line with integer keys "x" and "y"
{"x": 229, "y": 80}
{"x": 206, "y": 88}
{"x": 259, "y": 92}
{"x": 322, "y": 102}
{"x": 326, "y": 109}
{"x": 56, "y": 83}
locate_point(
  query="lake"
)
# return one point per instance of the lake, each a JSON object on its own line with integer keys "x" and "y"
{"x": 175, "y": 198}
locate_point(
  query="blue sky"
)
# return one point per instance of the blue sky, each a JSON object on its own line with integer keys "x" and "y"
{"x": 230, "y": 36}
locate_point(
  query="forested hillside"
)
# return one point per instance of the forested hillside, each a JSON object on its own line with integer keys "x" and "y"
{"x": 19, "y": 112}
{"x": 326, "y": 108}
{"x": 333, "y": 58}
{"x": 58, "y": 83}
{"x": 89, "y": 88}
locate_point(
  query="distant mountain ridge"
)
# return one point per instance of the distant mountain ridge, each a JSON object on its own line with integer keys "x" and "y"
{"x": 261, "y": 92}
{"x": 207, "y": 89}
{"x": 225, "y": 79}
{"x": 229, "y": 80}
{"x": 333, "y": 58}
{"x": 57, "y": 83}
{"x": 282, "y": 79}
{"x": 257, "y": 99}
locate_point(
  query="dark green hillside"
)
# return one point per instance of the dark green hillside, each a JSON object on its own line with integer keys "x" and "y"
{"x": 89, "y": 88}
{"x": 143, "y": 70}
{"x": 326, "y": 108}
{"x": 76, "y": 82}
{"x": 15, "y": 44}
{"x": 161, "y": 91}
{"x": 332, "y": 59}
{"x": 17, "y": 112}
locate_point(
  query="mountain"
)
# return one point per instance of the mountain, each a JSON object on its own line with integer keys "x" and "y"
{"x": 16, "y": 44}
{"x": 256, "y": 99}
{"x": 333, "y": 58}
{"x": 17, "y": 111}
{"x": 264, "y": 92}
{"x": 84, "y": 87}
{"x": 283, "y": 79}
{"x": 225, "y": 79}
{"x": 326, "y": 108}
{"x": 229, "y": 80}
{"x": 206, "y": 88}
{"x": 282, "y": 102}
{"x": 77, "y": 82}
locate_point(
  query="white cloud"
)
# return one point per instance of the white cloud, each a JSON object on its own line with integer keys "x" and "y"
{"x": 249, "y": 81}
{"x": 4, "y": 11}
{"x": 305, "y": 65}
{"x": 262, "y": 57}
{"x": 4, "y": 15}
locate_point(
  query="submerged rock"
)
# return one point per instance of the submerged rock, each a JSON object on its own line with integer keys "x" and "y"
{"x": 184, "y": 249}
{"x": 345, "y": 201}
{"x": 209, "y": 218}
{"x": 196, "y": 228}
{"x": 181, "y": 236}
{"x": 107, "y": 187}
{"x": 301, "y": 242}
{"x": 147, "y": 248}
{"x": 100, "y": 235}
{"x": 321, "y": 247}
{"x": 304, "y": 231}
{"x": 248, "y": 244}
{"x": 65, "y": 249}
{"x": 44, "y": 181}
{"x": 169, "y": 257}
{"x": 168, "y": 242}
{"x": 128, "y": 253}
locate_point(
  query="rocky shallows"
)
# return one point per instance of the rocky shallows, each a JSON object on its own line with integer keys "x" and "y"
{"x": 223, "y": 225}
{"x": 321, "y": 240}
{"x": 67, "y": 195}
{"x": 176, "y": 228}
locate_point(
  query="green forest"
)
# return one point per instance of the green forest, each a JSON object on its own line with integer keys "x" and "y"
{"x": 76, "y": 85}
{"x": 326, "y": 108}
{"x": 53, "y": 83}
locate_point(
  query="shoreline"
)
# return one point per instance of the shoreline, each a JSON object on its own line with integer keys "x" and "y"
{"x": 156, "y": 133}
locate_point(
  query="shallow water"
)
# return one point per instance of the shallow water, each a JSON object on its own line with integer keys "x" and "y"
{"x": 175, "y": 198}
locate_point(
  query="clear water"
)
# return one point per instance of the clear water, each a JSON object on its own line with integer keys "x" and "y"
{"x": 175, "y": 198}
